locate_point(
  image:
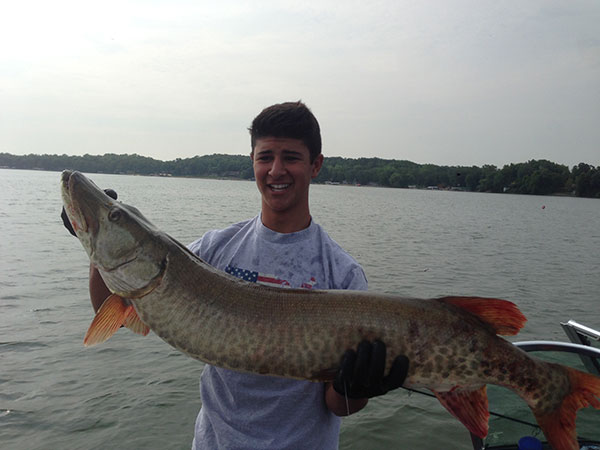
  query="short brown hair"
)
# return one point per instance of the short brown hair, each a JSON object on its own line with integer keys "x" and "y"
{"x": 288, "y": 120}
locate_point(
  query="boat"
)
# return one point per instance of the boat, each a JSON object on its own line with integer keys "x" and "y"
{"x": 512, "y": 426}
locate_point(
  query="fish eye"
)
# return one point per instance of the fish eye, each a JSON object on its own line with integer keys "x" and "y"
{"x": 114, "y": 214}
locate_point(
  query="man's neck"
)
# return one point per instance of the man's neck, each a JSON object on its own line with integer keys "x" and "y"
{"x": 286, "y": 222}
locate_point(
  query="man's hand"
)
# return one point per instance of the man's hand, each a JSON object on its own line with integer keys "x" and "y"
{"x": 361, "y": 372}
{"x": 63, "y": 215}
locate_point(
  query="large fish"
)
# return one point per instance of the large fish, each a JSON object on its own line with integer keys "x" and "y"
{"x": 451, "y": 342}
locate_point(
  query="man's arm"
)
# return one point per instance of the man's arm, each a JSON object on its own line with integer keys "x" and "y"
{"x": 341, "y": 405}
{"x": 361, "y": 376}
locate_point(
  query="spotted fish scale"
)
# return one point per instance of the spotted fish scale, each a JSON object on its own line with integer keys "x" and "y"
{"x": 452, "y": 343}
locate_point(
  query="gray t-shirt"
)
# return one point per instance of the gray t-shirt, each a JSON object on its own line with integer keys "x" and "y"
{"x": 246, "y": 411}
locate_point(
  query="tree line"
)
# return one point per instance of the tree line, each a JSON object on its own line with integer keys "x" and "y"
{"x": 538, "y": 177}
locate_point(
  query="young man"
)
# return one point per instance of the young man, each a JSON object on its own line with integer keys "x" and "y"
{"x": 284, "y": 246}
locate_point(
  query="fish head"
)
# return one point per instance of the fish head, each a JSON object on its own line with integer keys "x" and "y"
{"x": 127, "y": 249}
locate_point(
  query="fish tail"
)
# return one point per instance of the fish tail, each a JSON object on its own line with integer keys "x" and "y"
{"x": 113, "y": 314}
{"x": 559, "y": 425}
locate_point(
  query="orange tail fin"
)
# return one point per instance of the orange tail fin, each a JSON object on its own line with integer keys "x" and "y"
{"x": 113, "y": 313}
{"x": 559, "y": 425}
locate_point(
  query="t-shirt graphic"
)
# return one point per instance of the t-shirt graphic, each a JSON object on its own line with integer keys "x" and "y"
{"x": 269, "y": 280}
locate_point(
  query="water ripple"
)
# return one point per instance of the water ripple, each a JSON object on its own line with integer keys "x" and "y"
{"x": 22, "y": 346}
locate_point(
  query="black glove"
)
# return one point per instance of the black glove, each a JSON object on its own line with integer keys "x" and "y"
{"x": 361, "y": 372}
{"x": 67, "y": 223}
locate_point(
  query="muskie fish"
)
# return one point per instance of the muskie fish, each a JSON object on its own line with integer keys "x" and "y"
{"x": 451, "y": 342}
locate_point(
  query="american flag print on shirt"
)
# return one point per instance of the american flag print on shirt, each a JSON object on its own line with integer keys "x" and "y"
{"x": 269, "y": 280}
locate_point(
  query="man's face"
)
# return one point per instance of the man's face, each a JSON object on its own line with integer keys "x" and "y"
{"x": 283, "y": 172}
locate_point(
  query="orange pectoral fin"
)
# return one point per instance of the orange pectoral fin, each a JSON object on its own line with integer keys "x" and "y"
{"x": 109, "y": 318}
{"x": 468, "y": 406}
{"x": 135, "y": 324}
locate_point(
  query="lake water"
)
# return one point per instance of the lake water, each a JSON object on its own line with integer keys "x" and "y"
{"x": 543, "y": 253}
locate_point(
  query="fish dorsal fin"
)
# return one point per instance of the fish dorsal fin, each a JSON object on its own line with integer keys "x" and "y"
{"x": 113, "y": 313}
{"x": 502, "y": 315}
{"x": 468, "y": 406}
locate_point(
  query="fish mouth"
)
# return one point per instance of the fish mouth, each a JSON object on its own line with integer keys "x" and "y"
{"x": 83, "y": 201}
{"x": 74, "y": 212}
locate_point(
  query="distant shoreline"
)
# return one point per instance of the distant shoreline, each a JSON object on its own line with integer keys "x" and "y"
{"x": 535, "y": 177}
{"x": 343, "y": 185}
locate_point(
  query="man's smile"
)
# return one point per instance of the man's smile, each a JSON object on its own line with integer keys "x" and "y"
{"x": 279, "y": 187}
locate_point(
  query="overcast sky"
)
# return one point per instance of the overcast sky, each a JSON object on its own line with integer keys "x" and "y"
{"x": 466, "y": 82}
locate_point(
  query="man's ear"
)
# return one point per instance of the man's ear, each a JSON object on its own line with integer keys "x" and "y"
{"x": 316, "y": 165}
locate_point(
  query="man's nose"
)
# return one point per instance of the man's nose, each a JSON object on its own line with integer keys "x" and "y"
{"x": 278, "y": 167}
